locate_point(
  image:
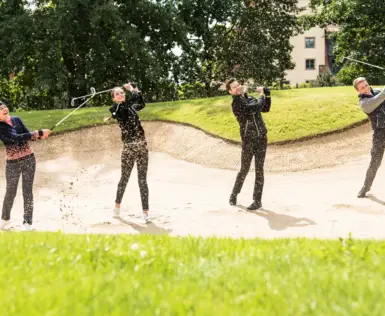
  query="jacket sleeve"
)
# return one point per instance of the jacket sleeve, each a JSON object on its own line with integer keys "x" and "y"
{"x": 113, "y": 110}
{"x": 25, "y": 129}
{"x": 368, "y": 105}
{"x": 137, "y": 101}
{"x": 237, "y": 109}
{"x": 262, "y": 104}
{"x": 8, "y": 133}
{"x": 266, "y": 105}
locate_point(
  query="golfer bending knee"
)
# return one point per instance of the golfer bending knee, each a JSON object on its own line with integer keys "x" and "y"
{"x": 20, "y": 161}
{"x": 134, "y": 143}
{"x": 253, "y": 132}
{"x": 372, "y": 102}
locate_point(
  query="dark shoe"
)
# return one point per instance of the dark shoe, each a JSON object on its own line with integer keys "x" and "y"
{"x": 362, "y": 193}
{"x": 233, "y": 199}
{"x": 255, "y": 206}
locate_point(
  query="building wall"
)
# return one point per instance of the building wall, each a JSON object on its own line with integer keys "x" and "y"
{"x": 300, "y": 53}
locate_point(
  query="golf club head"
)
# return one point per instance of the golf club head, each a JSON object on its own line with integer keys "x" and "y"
{"x": 72, "y": 102}
{"x": 343, "y": 60}
{"x": 214, "y": 83}
{"x": 93, "y": 91}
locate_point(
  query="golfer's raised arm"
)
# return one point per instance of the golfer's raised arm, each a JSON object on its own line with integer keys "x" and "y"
{"x": 368, "y": 105}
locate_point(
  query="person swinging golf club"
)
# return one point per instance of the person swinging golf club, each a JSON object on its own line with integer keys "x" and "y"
{"x": 247, "y": 111}
{"x": 134, "y": 143}
{"x": 20, "y": 161}
{"x": 372, "y": 102}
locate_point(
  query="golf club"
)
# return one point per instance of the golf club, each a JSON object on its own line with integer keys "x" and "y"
{"x": 93, "y": 93}
{"x": 362, "y": 62}
{"x": 90, "y": 97}
{"x": 250, "y": 83}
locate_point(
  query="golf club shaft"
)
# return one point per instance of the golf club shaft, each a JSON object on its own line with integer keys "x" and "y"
{"x": 362, "y": 62}
{"x": 100, "y": 92}
{"x": 91, "y": 94}
{"x": 61, "y": 121}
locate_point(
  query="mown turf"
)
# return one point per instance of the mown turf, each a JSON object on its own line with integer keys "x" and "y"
{"x": 294, "y": 114}
{"x": 55, "y": 274}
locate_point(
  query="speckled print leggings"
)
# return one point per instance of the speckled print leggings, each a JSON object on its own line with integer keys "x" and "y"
{"x": 134, "y": 153}
{"x": 26, "y": 167}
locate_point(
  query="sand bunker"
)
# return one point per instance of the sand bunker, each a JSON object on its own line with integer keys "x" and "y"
{"x": 192, "y": 145}
{"x": 310, "y": 186}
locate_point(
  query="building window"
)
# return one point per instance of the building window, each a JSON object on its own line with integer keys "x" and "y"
{"x": 309, "y": 42}
{"x": 310, "y": 64}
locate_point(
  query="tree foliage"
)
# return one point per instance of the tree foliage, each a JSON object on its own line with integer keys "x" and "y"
{"x": 247, "y": 39}
{"x": 58, "y": 49}
{"x": 361, "y": 34}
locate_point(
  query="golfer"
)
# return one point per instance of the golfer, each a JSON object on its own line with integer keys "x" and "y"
{"x": 20, "y": 161}
{"x": 134, "y": 143}
{"x": 253, "y": 132}
{"x": 372, "y": 102}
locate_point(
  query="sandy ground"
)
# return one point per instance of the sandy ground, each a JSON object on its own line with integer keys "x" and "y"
{"x": 310, "y": 187}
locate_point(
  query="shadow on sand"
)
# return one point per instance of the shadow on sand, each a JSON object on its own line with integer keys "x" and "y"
{"x": 375, "y": 199}
{"x": 149, "y": 228}
{"x": 280, "y": 221}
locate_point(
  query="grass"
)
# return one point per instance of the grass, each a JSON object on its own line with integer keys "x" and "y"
{"x": 294, "y": 114}
{"x": 56, "y": 274}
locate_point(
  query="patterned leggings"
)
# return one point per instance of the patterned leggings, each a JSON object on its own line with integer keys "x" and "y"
{"x": 26, "y": 167}
{"x": 131, "y": 153}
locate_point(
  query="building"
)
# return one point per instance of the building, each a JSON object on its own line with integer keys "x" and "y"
{"x": 312, "y": 52}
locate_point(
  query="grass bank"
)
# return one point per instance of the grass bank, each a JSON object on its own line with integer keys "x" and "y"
{"x": 295, "y": 113}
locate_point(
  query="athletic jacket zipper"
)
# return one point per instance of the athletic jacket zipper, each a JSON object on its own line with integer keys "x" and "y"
{"x": 256, "y": 125}
{"x": 247, "y": 124}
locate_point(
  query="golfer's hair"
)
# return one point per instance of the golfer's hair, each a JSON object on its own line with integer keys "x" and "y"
{"x": 2, "y": 103}
{"x": 113, "y": 91}
{"x": 229, "y": 82}
{"x": 357, "y": 81}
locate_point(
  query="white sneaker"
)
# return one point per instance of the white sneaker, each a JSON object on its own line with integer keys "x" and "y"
{"x": 116, "y": 212}
{"x": 3, "y": 224}
{"x": 146, "y": 219}
{"x": 27, "y": 227}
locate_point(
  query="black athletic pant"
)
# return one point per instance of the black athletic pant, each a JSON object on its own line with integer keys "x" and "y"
{"x": 26, "y": 167}
{"x": 134, "y": 153}
{"x": 377, "y": 153}
{"x": 255, "y": 147}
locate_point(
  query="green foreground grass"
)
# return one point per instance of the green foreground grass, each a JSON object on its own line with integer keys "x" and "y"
{"x": 295, "y": 113}
{"x": 56, "y": 274}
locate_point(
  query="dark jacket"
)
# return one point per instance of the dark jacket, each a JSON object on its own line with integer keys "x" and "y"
{"x": 16, "y": 137}
{"x": 126, "y": 115}
{"x": 374, "y": 106}
{"x": 16, "y": 134}
{"x": 248, "y": 110}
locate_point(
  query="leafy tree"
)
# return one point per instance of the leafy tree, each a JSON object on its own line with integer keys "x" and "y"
{"x": 64, "y": 47}
{"x": 249, "y": 39}
{"x": 361, "y": 34}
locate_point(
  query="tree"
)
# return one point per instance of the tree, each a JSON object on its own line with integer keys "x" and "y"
{"x": 249, "y": 39}
{"x": 361, "y": 34}
{"x": 69, "y": 46}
